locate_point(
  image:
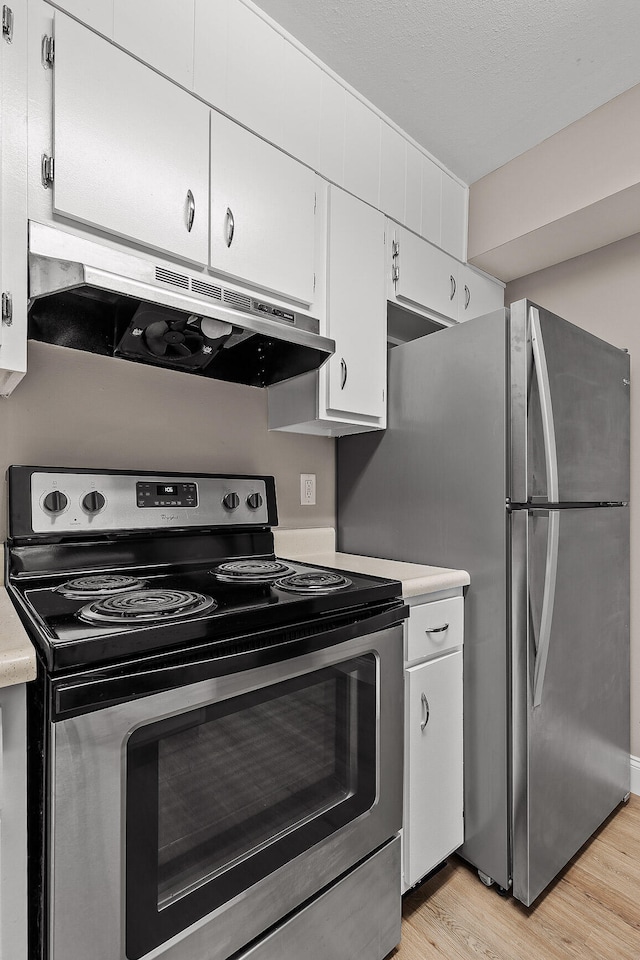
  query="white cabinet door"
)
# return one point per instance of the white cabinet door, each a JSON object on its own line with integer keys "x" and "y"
{"x": 393, "y": 150}
{"x": 361, "y": 150}
{"x": 131, "y": 149}
{"x": 427, "y": 277}
{"x": 160, "y": 32}
{"x": 433, "y": 824}
{"x": 356, "y": 307}
{"x": 262, "y": 213}
{"x": 453, "y": 235}
{"x": 95, "y": 13}
{"x": 478, "y": 294}
{"x": 210, "y": 51}
{"x": 431, "y": 201}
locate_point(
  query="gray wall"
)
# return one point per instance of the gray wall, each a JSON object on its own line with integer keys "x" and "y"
{"x": 600, "y": 292}
{"x": 76, "y": 409}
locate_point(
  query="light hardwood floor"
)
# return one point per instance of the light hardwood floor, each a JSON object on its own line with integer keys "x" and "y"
{"x": 591, "y": 912}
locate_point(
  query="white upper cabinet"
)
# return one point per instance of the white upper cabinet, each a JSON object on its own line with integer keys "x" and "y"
{"x": 210, "y": 51}
{"x": 477, "y": 294}
{"x": 453, "y": 221}
{"x": 333, "y": 105}
{"x": 431, "y": 200}
{"x": 392, "y": 172}
{"x": 160, "y": 32}
{"x": 361, "y": 150}
{"x": 426, "y": 276}
{"x": 95, "y": 13}
{"x": 356, "y": 308}
{"x": 300, "y": 105}
{"x": 255, "y": 56}
{"x": 263, "y": 207}
{"x": 413, "y": 189}
{"x": 131, "y": 149}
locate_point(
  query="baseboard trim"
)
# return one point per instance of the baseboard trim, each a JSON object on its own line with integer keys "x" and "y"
{"x": 635, "y": 775}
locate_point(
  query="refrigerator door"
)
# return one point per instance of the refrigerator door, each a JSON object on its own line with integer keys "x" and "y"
{"x": 570, "y": 673}
{"x": 569, "y": 412}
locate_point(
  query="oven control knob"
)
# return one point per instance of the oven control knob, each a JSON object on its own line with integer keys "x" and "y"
{"x": 230, "y": 501}
{"x": 93, "y": 502}
{"x": 254, "y": 500}
{"x": 55, "y": 502}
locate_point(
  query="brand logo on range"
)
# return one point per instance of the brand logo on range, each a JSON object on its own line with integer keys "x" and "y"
{"x": 168, "y": 516}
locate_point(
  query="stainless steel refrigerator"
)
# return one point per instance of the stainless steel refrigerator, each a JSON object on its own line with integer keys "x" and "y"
{"x": 507, "y": 454}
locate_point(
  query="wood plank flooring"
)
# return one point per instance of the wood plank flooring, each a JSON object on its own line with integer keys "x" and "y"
{"x": 591, "y": 912}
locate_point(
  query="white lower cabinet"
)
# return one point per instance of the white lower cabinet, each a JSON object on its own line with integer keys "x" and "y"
{"x": 433, "y": 790}
{"x": 477, "y": 294}
{"x": 347, "y": 395}
{"x": 13, "y": 823}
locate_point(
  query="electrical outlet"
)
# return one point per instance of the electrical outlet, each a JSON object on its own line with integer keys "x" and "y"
{"x": 308, "y": 489}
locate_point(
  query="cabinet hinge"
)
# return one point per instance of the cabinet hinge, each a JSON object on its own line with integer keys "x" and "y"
{"x": 395, "y": 256}
{"x": 7, "y": 23}
{"x": 7, "y": 309}
{"x": 48, "y": 51}
{"x": 47, "y": 168}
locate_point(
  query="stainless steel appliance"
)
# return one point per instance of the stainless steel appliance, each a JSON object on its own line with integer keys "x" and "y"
{"x": 507, "y": 454}
{"x": 214, "y": 735}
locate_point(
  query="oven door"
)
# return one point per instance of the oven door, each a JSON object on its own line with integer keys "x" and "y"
{"x": 185, "y": 823}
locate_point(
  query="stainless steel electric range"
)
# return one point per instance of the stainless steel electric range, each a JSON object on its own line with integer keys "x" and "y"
{"x": 215, "y": 735}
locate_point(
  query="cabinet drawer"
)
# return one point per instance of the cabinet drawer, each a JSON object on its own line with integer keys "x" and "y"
{"x": 425, "y": 636}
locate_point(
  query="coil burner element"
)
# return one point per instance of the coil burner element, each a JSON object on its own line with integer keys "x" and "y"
{"x": 99, "y": 585}
{"x": 313, "y": 582}
{"x": 147, "y": 606}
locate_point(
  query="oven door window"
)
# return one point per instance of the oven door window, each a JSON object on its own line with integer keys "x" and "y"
{"x": 221, "y": 796}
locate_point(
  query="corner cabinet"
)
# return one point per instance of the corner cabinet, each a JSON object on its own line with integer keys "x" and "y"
{"x": 433, "y": 790}
{"x": 424, "y": 279}
{"x": 131, "y": 149}
{"x": 348, "y": 394}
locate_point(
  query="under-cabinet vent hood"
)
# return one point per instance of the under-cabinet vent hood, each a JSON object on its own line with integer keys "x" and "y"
{"x": 89, "y": 296}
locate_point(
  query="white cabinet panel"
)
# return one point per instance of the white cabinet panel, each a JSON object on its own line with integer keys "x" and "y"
{"x": 210, "y": 51}
{"x": 129, "y": 146}
{"x": 454, "y": 217}
{"x": 300, "y": 105}
{"x": 262, "y": 213}
{"x": 478, "y": 294}
{"x": 95, "y": 13}
{"x": 333, "y": 103}
{"x": 435, "y": 628}
{"x": 431, "y": 201}
{"x": 160, "y": 32}
{"x": 427, "y": 277}
{"x": 413, "y": 193}
{"x": 361, "y": 150}
{"x": 392, "y": 172}
{"x": 433, "y": 824}
{"x": 356, "y": 307}
{"x": 254, "y": 73}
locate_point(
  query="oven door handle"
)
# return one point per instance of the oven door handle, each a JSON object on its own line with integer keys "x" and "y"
{"x": 110, "y": 686}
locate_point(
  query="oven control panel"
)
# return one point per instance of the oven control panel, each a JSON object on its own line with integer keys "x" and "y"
{"x": 65, "y": 502}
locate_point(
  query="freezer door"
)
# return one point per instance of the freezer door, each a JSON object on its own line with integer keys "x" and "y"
{"x": 570, "y": 666}
{"x": 569, "y": 412}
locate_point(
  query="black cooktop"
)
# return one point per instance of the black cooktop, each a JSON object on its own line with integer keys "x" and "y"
{"x": 79, "y": 622}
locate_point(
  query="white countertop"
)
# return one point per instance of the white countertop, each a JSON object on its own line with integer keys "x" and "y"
{"x": 17, "y": 654}
{"x": 317, "y": 546}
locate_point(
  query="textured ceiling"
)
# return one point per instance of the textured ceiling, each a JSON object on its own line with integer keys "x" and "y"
{"x": 476, "y": 82}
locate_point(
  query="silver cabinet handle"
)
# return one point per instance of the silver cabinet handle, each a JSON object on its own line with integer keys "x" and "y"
{"x": 7, "y": 23}
{"x": 445, "y": 626}
{"x": 425, "y": 710}
{"x": 191, "y": 210}
{"x": 343, "y": 368}
{"x": 231, "y": 226}
{"x": 467, "y": 296}
{"x": 453, "y": 287}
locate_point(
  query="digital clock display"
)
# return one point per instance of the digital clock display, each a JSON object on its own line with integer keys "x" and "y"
{"x": 167, "y": 489}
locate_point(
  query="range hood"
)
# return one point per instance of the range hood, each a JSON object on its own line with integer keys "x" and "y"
{"x": 90, "y": 296}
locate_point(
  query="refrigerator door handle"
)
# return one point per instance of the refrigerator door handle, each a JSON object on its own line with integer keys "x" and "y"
{"x": 546, "y": 406}
{"x": 548, "y": 597}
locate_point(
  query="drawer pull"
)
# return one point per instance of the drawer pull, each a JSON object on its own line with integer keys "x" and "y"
{"x": 445, "y": 626}
{"x": 426, "y": 711}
